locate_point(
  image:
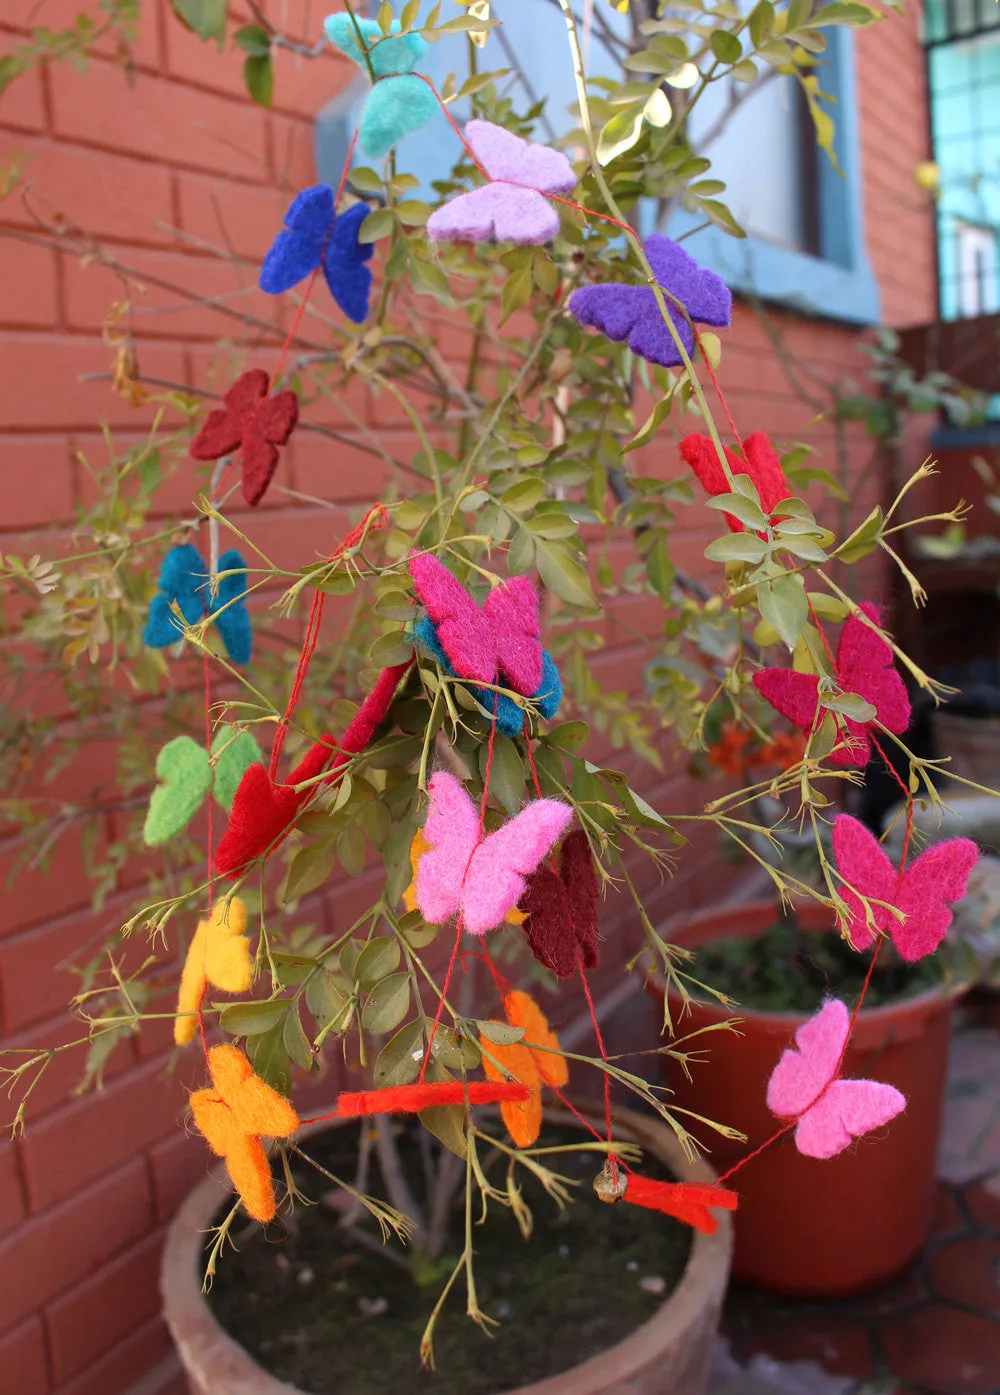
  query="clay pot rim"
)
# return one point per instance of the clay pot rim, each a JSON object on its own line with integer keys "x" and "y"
{"x": 920, "y": 1005}
{"x": 204, "y": 1344}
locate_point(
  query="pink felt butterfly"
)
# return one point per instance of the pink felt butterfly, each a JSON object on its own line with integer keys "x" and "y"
{"x": 481, "y": 879}
{"x": 938, "y": 875}
{"x": 804, "y": 1086}
{"x": 512, "y": 207}
{"x": 864, "y": 666}
{"x": 502, "y": 637}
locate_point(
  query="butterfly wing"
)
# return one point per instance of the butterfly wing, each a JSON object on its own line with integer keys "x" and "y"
{"x": 848, "y": 1109}
{"x": 794, "y": 695}
{"x": 297, "y": 250}
{"x": 549, "y": 693}
{"x": 579, "y": 878}
{"x": 232, "y": 619}
{"x": 866, "y": 869}
{"x": 865, "y": 666}
{"x": 505, "y": 156}
{"x": 704, "y": 295}
{"x": 227, "y": 961}
{"x": 548, "y": 926}
{"x": 496, "y": 877}
{"x": 462, "y": 629}
{"x": 452, "y": 830}
{"x": 397, "y": 53}
{"x": 185, "y": 776}
{"x": 802, "y": 1074}
{"x": 496, "y": 212}
{"x": 393, "y": 109}
{"x": 269, "y": 427}
{"x": 700, "y": 455}
{"x": 937, "y": 876}
{"x": 765, "y": 470}
{"x": 511, "y": 612}
{"x": 345, "y": 264}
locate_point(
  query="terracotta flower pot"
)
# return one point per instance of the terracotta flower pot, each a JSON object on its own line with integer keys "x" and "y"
{"x": 668, "y": 1355}
{"x": 807, "y": 1227}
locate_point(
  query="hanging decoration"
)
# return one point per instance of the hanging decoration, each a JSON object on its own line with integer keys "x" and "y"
{"x": 253, "y": 423}
{"x": 184, "y": 582}
{"x": 560, "y": 909}
{"x": 219, "y": 954}
{"x": 533, "y": 1062}
{"x": 314, "y": 237}
{"x": 759, "y": 460}
{"x": 399, "y": 101}
{"x": 187, "y": 772}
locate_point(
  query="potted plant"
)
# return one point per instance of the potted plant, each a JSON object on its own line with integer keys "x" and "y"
{"x": 457, "y": 791}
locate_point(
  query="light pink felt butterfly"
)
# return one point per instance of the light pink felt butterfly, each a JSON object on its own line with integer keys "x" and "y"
{"x": 938, "y": 875}
{"x": 502, "y": 637}
{"x": 482, "y": 880}
{"x": 830, "y": 1111}
{"x": 513, "y": 207}
{"x": 864, "y": 666}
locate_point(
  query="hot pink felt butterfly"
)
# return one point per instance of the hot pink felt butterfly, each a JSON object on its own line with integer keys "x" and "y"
{"x": 938, "y": 875}
{"x": 830, "y": 1111}
{"x": 481, "y": 879}
{"x": 503, "y": 637}
{"x": 512, "y": 207}
{"x": 864, "y": 666}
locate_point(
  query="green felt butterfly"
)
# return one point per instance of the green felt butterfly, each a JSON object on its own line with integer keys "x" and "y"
{"x": 187, "y": 774}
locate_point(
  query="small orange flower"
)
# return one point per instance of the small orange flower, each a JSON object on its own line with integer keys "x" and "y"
{"x": 729, "y": 754}
{"x": 783, "y": 750}
{"x": 530, "y": 1067}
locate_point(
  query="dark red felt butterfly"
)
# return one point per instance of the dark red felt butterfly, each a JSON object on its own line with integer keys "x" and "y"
{"x": 561, "y": 909}
{"x": 253, "y": 423}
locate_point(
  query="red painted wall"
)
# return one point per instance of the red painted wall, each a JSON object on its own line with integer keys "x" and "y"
{"x": 154, "y": 163}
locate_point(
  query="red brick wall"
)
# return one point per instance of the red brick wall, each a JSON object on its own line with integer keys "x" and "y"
{"x": 154, "y": 166}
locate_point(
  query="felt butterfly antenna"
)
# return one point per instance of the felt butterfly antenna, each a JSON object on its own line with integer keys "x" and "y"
{"x": 399, "y": 102}
{"x": 630, "y": 313}
{"x": 864, "y": 666}
{"x": 561, "y": 909}
{"x": 253, "y": 423}
{"x": 532, "y": 1062}
{"x": 186, "y": 774}
{"x": 480, "y": 878}
{"x": 759, "y": 461}
{"x": 314, "y": 237}
{"x": 233, "y": 1116}
{"x": 921, "y": 891}
{"x": 804, "y": 1086}
{"x": 219, "y": 954}
{"x": 512, "y": 207}
{"x": 184, "y": 583}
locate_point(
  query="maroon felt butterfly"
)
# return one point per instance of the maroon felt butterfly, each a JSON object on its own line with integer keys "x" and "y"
{"x": 253, "y": 423}
{"x": 561, "y": 909}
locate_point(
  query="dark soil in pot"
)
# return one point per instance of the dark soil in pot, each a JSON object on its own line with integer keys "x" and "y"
{"x": 336, "y": 1319}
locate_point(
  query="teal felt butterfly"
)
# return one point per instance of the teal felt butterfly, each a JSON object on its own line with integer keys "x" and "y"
{"x": 399, "y": 102}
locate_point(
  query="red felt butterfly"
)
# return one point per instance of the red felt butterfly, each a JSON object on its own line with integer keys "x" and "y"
{"x": 864, "y": 666}
{"x": 685, "y": 1201}
{"x": 255, "y": 424}
{"x": 760, "y": 462}
{"x": 561, "y": 909}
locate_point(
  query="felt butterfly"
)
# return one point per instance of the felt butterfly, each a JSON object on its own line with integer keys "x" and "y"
{"x": 187, "y": 773}
{"x": 938, "y": 875}
{"x": 512, "y": 207}
{"x": 184, "y": 581}
{"x": 527, "y": 1064}
{"x": 252, "y": 422}
{"x": 630, "y": 313}
{"x": 687, "y": 1202}
{"x": 219, "y": 954}
{"x": 313, "y": 236}
{"x": 864, "y": 666}
{"x": 481, "y": 879}
{"x": 561, "y": 909}
{"x": 804, "y": 1086}
{"x": 418, "y": 847}
{"x": 233, "y": 1115}
{"x": 398, "y": 102}
{"x": 759, "y": 461}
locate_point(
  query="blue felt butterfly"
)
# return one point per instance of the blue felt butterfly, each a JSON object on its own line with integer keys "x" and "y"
{"x": 399, "y": 102}
{"x": 510, "y": 717}
{"x": 314, "y": 236}
{"x": 183, "y": 579}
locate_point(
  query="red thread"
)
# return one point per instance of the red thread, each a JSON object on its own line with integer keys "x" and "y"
{"x": 718, "y": 390}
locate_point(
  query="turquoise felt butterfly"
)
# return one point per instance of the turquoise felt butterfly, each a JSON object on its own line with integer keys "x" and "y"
{"x": 399, "y": 102}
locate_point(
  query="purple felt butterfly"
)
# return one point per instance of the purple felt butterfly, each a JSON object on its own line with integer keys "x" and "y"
{"x": 512, "y": 208}
{"x": 631, "y": 312}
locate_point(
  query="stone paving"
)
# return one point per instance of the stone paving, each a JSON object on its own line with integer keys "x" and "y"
{"x": 936, "y": 1331}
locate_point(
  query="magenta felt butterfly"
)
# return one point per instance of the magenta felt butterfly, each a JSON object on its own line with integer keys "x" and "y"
{"x": 864, "y": 666}
{"x": 938, "y": 875}
{"x": 804, "y": 1086}
{"x": 503, "y": 637}
{"x": 481, "y": 879}
{"x": 512, "y": 207}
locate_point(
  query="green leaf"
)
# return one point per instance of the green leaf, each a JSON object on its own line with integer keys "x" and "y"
{"x": 737, "y": 547}
{"x": 391, "y": 649}
{"x": 365, "y": 180}
{"x": 269, "y": 1058}
{"x": 524, "y": 495}
{"x": 292, "y": 969}
{"x": 387, "y": 1004}
{"x": 251, "y": 1019}
{"x": 295, "y": 1041}
{"x": 398, "y": 1063}
{"x": 394, "y": 605}
{"x": 805, "y": 547}
{"x": 761, "y": 23}
{"x": 506, "y": 773}
{"x": 310, "y": 868}
{"x": 564, "y": 576}
{"x": 351, "y": 849}
{"x": 738, "y": 506}
{"x": 828, "y": 607}
{"x": 379, "y": 223}
{"x": 545, "y": 272}
{"x": 620, "y": 134}
{"x": 863, "y": 540}
{"x": 649, "y": 60}
{"x": 258, "y": 74}
{"x": 776, "y": 52}
{"x": 206, "y": 18}
{"x": 660, "y": 569}
{"x": 348, "y": 960}
{"x": 783, "y": 602}
{"x": 447, "y": 1123}
{"x": 253, "y": 39}
{"x": 726, "y": 46}
{"x": 516, "y": 291}
{"x": 651, "y": 425}
{"x": 719, "y": 213}
{"x": 326, "y": 1000}
{"x": 428, "y": 279}
{"x": 850, "y": 705}
{"x": 412, "y": 213}
{"x": 569, "y": 736}
{"x": 499, "y": 1033}
{"x": 453, "y": 1051}
{"x": 847, "y": 13}
{"x": 396, "y": 856}
{"x": 379, "y": 957}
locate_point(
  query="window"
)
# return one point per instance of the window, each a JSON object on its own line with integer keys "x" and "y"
{"x": 978, "y": 270}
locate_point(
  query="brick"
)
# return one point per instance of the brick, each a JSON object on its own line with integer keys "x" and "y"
{"x": 64, "y": 1071}
{"x": 22, "y": 105}
{"x": 336, "y": 471}
{"x": 110, "y": 196}
{"x": 36, "y": 968}
{"x": 126, "y": 1364}
{"x": 12, "y": 1209}
{"x": 160, "y": 120}
{"x": 23, "y": 1361}
{"x": 48, "y": 889}
{"x": 100, "y": 1312}
{"x": 303, "y": 86}
{"x": 53, "y": 1252}
{"x": 225, "y": 213}
{"x": 61, "y": 14}
{"x": 50, "y": 395}
{"x": 294, "y": 158}
{"x": 177, "y": 1163}
{"x": 39, "y": 481}
{"x": 30, "y": 298}
{"x": 83, "y": 1140}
